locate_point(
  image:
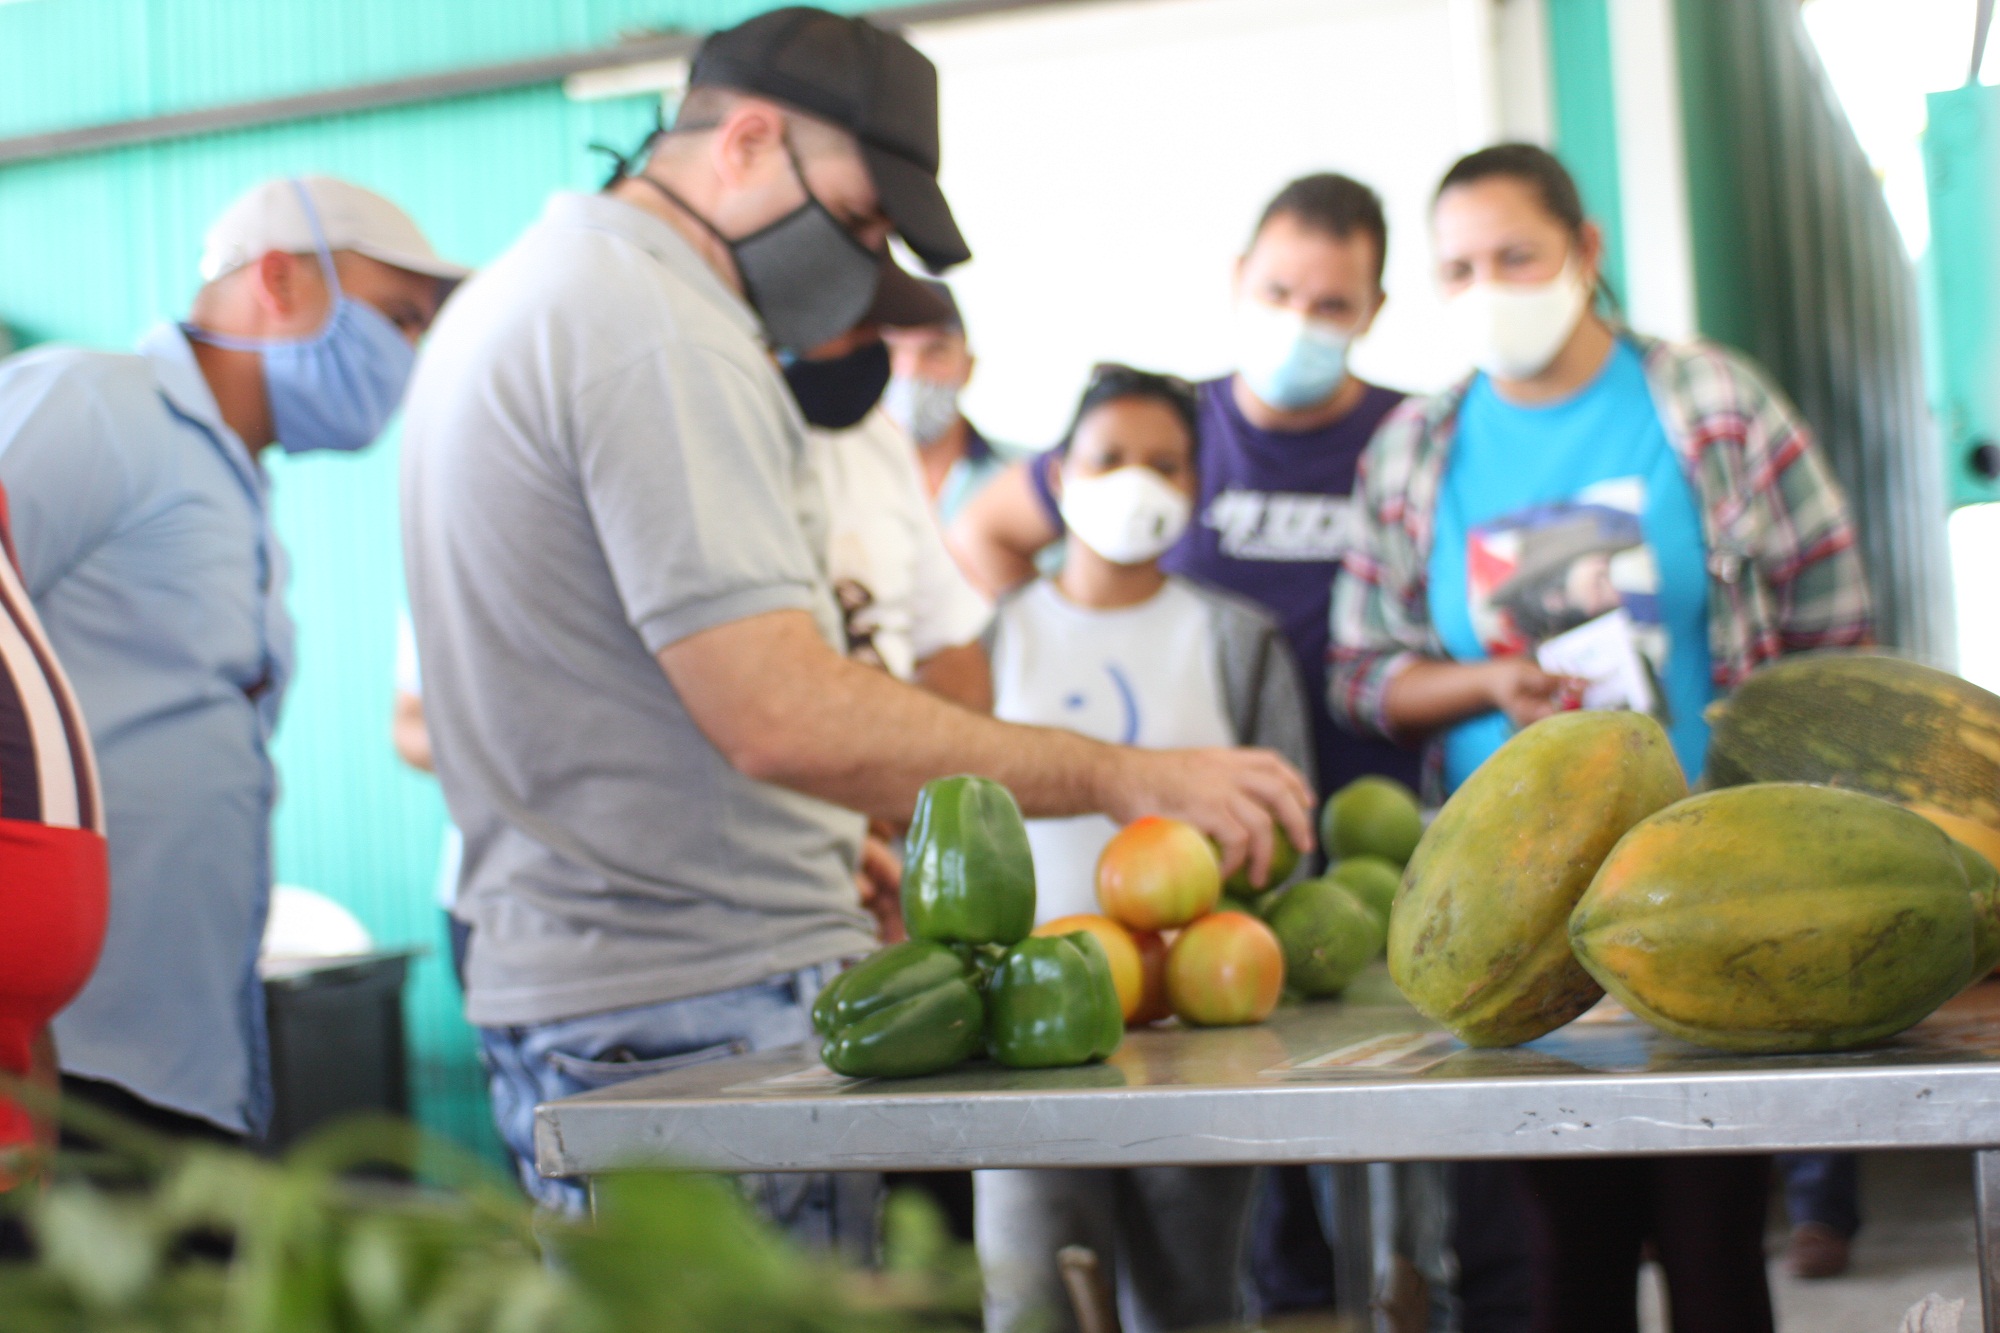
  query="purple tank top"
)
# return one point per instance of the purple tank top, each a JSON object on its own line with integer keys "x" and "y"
{"x": 1273, "y": 518}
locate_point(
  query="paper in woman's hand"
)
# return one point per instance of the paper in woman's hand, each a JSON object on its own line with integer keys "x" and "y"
{"x": 1604, "y": 652}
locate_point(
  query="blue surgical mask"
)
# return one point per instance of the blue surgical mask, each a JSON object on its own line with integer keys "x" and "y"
{"x": 1287, "y": 360}
{"x": 337, "y": 389}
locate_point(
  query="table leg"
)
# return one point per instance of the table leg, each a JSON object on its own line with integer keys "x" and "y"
{"x": 1986, "y": 1196}
{"x": 1385, "y": 1225}
{"x": 1353, "y": 1242}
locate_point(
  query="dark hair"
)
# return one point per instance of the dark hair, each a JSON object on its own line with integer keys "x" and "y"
{"x": 1536, "y": 168}
{"x": 1338, "y": 206}
{"x": 1111, "y": 382}
{"x": 1546, "y": 177}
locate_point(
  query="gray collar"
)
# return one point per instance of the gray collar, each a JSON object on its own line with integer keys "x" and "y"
{"x": 601, "y": 212}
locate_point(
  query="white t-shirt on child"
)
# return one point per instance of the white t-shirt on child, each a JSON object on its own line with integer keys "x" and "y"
{"x": 1145, "y": 675}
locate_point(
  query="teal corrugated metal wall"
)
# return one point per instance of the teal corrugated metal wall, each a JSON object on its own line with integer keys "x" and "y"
{"x": 95, "y": 248}
{"x": 1586, "y": 118}
{"x": 1799, "y": 263}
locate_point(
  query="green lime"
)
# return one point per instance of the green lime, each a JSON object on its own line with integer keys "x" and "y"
{"x": 1371, "y": 817}
{"x": 1259, "y": 905}
{"x": 1328, "y": 935}
{"x": 1284, "y": 860}
{"x": 1373, "y": 880}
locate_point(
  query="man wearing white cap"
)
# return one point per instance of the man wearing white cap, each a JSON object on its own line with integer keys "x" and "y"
{"x": 142, "y": 523}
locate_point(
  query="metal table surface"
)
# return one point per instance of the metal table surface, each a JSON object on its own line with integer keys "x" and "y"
{"x": 1365, "y": 1079}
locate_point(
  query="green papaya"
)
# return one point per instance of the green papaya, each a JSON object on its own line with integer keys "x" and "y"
{"x": 1780, "y": 917}
{"x": 1984, "y": 881}
{"x": 1478, "y": 934}
{"x": 1869, "y": 722}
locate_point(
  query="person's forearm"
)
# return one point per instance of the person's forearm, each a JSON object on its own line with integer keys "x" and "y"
{"x": 811, "y": 720}
{"x": 868, "y": 742}
{"x": 783, "y": 707}
{"x": 996, "y": 537}
{"x": 409, "y": 734}
{"x": 987, "y": 563}
{"x": 1428, "y": 695}
{"x": 960, "y": 674}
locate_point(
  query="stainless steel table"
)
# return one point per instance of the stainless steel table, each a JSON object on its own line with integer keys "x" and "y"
{"x": 1366, "y": 1079}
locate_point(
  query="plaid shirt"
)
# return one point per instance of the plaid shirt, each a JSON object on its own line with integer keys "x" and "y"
{"x": 1785, "y": 574}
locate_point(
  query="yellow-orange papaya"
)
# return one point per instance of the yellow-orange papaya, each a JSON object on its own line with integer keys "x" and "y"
{"x": 1780, "y": 917}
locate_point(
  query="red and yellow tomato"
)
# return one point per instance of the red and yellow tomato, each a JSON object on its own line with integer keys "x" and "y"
{"x": 1227, "y": 968}
{"x": 1157, "y": 874}
{"x": 1153, "y": 1004}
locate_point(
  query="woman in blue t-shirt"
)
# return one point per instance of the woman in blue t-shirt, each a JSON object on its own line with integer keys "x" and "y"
{"x": 1588, "y": 495}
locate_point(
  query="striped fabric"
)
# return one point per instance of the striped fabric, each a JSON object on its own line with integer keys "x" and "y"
{"x": 47, "y": 772}
{"x": 1784, "y": 572}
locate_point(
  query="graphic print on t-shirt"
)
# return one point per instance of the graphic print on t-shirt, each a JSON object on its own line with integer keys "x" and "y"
{"x": 1112, "y": 713}
{"x": 1541, "y": 571}
{"x": 1280, "y": 525}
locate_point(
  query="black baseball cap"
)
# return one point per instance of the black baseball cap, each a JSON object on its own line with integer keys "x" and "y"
{"x": 869, "y": 82}
{"x": 946, "y": 303}
{"x": 903, "y": 301}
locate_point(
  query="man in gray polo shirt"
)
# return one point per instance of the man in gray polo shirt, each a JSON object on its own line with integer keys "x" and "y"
{"x": 660, "y": 760}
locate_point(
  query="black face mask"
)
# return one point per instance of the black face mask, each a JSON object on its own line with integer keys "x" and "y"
{"x": 806, "y": 276}
{"x": 836, "y": 394}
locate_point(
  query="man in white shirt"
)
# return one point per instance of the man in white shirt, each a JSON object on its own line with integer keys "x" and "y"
{"x": 905, "y": 607}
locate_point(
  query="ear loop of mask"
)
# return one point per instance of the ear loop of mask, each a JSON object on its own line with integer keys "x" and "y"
{"x": 624, "y": 172}
{"x": 230, "y": 342}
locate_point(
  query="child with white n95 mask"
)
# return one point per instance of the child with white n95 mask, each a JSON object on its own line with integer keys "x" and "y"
{"x": 1116, "y": 649}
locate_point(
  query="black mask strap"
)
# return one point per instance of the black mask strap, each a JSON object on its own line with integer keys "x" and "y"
{"x": 623, "y": 165}
{"x": 684, "y": 206}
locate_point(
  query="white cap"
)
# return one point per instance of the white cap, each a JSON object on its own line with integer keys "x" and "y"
{"x": 271, "y": 217}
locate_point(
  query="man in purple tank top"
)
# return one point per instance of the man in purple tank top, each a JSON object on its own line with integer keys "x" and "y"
{"x": 1280, "y": 439}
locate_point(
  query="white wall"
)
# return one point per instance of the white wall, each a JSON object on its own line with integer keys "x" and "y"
{"x": 1652, "y": 169}
{"x": 1107, "y": 163}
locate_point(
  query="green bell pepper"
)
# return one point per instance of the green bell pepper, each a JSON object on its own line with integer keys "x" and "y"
{"x": 1052, "y": 1002}
{"x": 968, "y": 876}
{"x": 912, "y": 1008}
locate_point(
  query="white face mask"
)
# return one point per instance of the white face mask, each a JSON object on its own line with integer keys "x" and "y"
{"x": 1512, "y": 331}
{"x": 1128, "y": 516}
{"x": 1287, "y": 360}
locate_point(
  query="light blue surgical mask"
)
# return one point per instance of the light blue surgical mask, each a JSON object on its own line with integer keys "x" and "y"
{"x": 1287, "y": 360}
{"x": 337, "y": 389}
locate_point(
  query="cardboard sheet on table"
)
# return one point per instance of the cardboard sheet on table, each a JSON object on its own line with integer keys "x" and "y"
{"x": 1387, "y": 1055}
{"x": 809, "y": 1078}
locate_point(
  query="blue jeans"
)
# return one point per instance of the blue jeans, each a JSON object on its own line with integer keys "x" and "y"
{"x": 541, "y": 1062}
